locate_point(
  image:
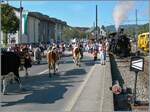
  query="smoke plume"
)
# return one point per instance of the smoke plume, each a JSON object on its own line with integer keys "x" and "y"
{"x": 121, "y": 11}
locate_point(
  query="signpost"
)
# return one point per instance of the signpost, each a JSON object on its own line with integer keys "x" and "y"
{"x": 136, "y": 65}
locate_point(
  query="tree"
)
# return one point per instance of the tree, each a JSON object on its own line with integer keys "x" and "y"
{"x": 144, "y": 28}
{"x": 82, "y": 35}
{"x": 67, "y": 34}
{"x": 9, "y": 21}
{"x": 70, "y": 33}
{"x": 76, "y": 33}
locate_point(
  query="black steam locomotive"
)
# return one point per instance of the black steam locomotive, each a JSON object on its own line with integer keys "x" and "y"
{"x": 120, "y": 43}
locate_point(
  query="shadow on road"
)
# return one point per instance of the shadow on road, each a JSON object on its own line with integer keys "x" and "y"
{"x": 43, "y": 90}
{"x": 41, "y": 63}
{"x": 76, "y": 72}
{"x": 66, "y": 62}
{"x": 88, "y": 62}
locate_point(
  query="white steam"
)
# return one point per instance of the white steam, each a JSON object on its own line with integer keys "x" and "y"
{"x": 121, "y": 11}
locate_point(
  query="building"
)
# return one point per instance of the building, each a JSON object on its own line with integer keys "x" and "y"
{"x": 59, "y": 26}
{"x": 37, "y": 28}
{"x": 44, "y": 28}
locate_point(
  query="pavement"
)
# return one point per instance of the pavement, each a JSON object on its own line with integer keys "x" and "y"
{"x": 94, "y": 94}
{"x": 91, "y": 99}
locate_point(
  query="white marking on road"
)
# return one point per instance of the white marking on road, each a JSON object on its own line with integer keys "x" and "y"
{"x": 78, "y": 93}
{"x": 102, "y": 96}
{"x": 43, "y": 72}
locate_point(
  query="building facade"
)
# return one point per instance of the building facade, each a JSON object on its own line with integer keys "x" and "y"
{"x": 58, "y": 29}
{"x": 36, "y": 28}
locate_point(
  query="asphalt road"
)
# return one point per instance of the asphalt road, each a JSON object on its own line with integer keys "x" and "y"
{"x": 43, "y": 93}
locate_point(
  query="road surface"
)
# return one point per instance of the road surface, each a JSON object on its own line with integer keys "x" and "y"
{"x": 47, "y": 94}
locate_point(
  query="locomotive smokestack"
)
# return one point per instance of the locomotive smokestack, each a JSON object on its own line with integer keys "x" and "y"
{"x": 121, "y": 31}
{"x": 120, "y": 12}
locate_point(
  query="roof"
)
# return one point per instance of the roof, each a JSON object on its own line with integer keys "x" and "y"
{"x": 40, "y": 16}
{"x": 58, "y": 21}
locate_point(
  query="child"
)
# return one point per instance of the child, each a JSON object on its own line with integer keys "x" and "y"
{"x": 95, "y": 54}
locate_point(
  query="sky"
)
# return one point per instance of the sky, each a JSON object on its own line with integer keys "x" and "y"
{"x": 82, "y": 13}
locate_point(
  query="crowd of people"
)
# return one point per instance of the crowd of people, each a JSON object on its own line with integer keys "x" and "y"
{"x": 35, "y": 50}
{"x": 98, "y": 48}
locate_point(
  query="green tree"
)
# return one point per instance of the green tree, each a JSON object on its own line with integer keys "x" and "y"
{"x": 82, "y": 34}
{"x": 67, "y": 34}
{"x": 70, "y": 33}
{"x": 9, "y": 21}
{"x": 144, "y": 28}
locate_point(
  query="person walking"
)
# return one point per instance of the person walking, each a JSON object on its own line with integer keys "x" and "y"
{"x": 95, "y": 51}
{"x": 107, "y": 46}
{"x": 37, "y": 55}
{"x": 102, "y": 50}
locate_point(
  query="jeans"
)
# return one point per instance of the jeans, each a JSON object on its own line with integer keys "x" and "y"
{"x": 103, "y": 57}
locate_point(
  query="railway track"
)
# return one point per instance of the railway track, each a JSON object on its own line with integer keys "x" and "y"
{"x": 122, "y": 66}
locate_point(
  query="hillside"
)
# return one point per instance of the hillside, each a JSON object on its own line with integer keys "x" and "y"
{"x": 130, "y": 29}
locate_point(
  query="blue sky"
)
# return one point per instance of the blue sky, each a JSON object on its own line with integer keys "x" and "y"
{"x": 82, "y": 13}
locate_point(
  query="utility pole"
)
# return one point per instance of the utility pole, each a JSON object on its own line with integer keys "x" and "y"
{"x": 96, "y": 24}
{"x": 136, "y": 30}
{"x": 136, "y": 73}
{"x": 20, "y": 34}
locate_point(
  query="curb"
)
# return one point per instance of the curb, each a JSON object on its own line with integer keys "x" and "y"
{"x": 79, "y": 91}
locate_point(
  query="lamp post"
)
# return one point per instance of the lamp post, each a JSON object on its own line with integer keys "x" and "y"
{"x": 96, "y": 24}
{"x": 136, "y": 30}
{"x": 20, "y": 34}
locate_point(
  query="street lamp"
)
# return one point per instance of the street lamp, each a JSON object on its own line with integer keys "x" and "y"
{"x": 21, "y": 9}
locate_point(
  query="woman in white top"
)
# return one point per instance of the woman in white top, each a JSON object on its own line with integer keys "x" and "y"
{"x": 102, "y": 51}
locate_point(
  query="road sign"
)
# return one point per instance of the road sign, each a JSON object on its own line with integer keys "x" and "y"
{"x": 137, "y": 64}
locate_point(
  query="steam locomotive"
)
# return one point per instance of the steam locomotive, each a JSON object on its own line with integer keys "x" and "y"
{"x": 120, "y": 43}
